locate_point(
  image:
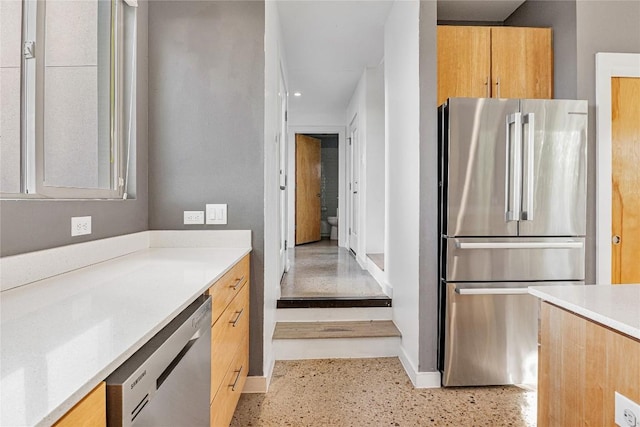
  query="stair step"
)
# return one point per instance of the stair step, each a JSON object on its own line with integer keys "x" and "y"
{"x": 323, "y": 330}
{"x": 332, "y": 302}
{"x": 349, "y": 314}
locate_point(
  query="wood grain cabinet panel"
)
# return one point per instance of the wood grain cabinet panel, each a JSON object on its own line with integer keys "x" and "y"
{"x": 91, "y": 411}
{"x": 494, "y": 62}
{"x": 229, "y": 341}
{"x": 521, "y": 62}
{"x": 581, "y": 365}
{"x": 464, "y": 62}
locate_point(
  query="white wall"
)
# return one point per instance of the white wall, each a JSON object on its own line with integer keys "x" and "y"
{"x": 403, "y": 176}
{"x": 374, "y": 160}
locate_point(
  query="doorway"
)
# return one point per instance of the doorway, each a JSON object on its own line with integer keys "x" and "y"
{"x": 617, "y": 76}
{"x": 317, "y": 185}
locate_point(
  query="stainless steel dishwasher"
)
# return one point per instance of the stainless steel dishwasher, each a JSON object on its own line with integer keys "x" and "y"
{"x": 167, "y": 382}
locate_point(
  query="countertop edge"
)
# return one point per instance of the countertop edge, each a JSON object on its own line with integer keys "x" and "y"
{"x": 587, "y": 313}
{"x": 101, "y": 375}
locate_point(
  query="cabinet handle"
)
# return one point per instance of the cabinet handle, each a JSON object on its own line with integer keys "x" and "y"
{"x": 240, "y": 280}
{"x": 233, "y": 386}
{"x": 498, "y": 87}
{"x": 239, "y": 315}
{"x": 486, "y": 83}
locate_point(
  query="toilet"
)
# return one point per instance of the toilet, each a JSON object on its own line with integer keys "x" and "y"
{"x": 333, "y": 222}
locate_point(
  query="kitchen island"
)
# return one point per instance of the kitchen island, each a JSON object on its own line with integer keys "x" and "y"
{"x": 589, "y": 349}
{"x": 63, "y": 335}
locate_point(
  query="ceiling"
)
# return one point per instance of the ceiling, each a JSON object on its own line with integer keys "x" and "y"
{"x": 327, "y": 44}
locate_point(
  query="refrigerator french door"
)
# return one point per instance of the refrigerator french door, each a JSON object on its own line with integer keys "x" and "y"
{"x": 512, "y": 215}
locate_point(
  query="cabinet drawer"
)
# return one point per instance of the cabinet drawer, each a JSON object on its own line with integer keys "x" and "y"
{"x": 227, "y": 287}
{"x": 227, "y": 334}
{"x": 225, "y": 401}
{"x": 91, "y": 411}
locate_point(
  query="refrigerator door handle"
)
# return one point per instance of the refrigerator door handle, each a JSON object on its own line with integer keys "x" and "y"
{"x": 492, "y": 291}
{"x": 520, "y": 245}
{"x": 528, "y": 165}
{"x": 513, "y": 167}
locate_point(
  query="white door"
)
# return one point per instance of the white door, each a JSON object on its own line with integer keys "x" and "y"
{"x": 354, "y": 184}
{"x": 282, "y": 166}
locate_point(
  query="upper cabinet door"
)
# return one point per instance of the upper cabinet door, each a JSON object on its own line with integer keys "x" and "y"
{"x": 464, "y": 62}
{"x": 521, "y": 62}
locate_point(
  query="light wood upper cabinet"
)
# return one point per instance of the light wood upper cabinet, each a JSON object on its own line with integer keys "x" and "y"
{"x": 498, "y": 62}
{"x": 521, "y": 62}
{"x": 464, "y": 62}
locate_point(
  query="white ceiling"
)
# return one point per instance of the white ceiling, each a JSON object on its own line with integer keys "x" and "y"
{"x": 327, "y": 46}
{"x": 328, "y": 43}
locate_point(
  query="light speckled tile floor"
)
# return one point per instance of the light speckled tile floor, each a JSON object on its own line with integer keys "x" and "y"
{"x": 376, "y": 392}
{"x": 323, "y": 269}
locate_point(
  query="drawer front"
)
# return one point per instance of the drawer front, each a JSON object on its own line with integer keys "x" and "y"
{"x": 227, "y": 334}
{"x": 227, "y": 287}
{"x": 91, "y": 411}
{"x": 225, "y": 401}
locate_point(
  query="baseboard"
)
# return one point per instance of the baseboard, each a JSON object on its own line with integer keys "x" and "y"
{"x": 378, "y": 275}
{"x": 256, "y": 384}
{"x": 419, "y": 379}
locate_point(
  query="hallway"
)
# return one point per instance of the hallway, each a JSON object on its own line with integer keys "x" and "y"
{"x": 323, "y": 269}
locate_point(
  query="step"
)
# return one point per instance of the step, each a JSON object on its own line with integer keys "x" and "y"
{"x": 332, "y": 340}
{"x": 333, "y": 314}
{"x": 332, "y": 302}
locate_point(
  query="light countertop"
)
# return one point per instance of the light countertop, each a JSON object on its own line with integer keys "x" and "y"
{"x": 61, "y": 336}
{"x": 615, "y": 306}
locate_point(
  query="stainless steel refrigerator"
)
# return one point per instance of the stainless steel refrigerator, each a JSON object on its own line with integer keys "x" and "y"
{"x": 512, "y": 215}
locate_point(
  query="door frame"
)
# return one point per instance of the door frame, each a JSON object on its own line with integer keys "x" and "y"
{"x": 608, "y": 65}
{"x": 354, "y": 147}
{"x": 292, "y": 130}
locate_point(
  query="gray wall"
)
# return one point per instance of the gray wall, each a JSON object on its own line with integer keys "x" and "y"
{"x": 428, "y": 281}
{"x": 206, "y": 124}
{"x": 602, "y": 26}
{"x": 561, "y": 16}
{"x": 30, "y": 225}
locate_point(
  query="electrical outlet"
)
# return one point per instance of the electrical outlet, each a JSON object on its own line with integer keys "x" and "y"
{"x": 216, "y": 214}
{"x": 193, "y": 217}
{"x": 627, "y": 411}
{"x": 80, "y": 225}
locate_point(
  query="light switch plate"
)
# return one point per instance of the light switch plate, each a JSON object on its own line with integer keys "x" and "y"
{"x": 80, "y": 225}
{"x": 193, "y": 217}
{"x": 216, "y": 213}
{"x": 627, "y": 411}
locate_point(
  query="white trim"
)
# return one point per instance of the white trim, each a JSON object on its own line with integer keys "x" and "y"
{"x": 380, "y": 277}
{"x": 419, "y": 379}
{"x": 608, "y": 65}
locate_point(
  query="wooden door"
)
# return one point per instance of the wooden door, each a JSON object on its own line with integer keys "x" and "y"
{"x": 625, "y": 209}
{"x": 521, "y": 62}
{"x": 308, "y": 152}
{"x": 464, "y": 62}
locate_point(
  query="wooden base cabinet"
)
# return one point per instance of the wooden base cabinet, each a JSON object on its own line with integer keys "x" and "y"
{"x": 91, "y": 411}
{"x": 494, "y": 62}
{"x": 581, "y": 365}
{"x": 229, "y": 342}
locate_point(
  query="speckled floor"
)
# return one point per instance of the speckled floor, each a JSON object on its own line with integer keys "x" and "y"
{"x": 376, "y": 392}
{"x": 325, "y": 270}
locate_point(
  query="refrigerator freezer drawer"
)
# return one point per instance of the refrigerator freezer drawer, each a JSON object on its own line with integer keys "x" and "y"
{"x": 490, "y": 334}
{"x": 514, "y": 259}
